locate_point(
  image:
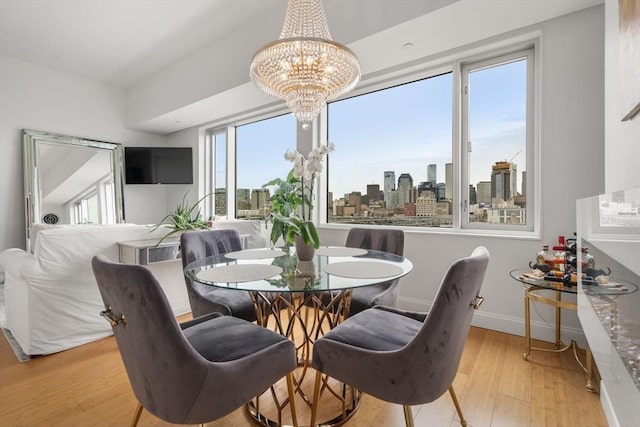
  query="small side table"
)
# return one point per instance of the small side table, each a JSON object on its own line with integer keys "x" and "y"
{"x": 533, "y": 288}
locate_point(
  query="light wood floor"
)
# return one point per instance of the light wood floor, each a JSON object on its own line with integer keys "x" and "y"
{"x": 87, "y": 386}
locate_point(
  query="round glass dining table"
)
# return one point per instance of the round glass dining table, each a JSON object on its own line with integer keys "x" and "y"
{"x": 301, "y": 300}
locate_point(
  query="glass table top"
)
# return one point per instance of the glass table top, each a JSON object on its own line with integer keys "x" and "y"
{"x": 279, "y": 270}
{"x": 612, "y": 287}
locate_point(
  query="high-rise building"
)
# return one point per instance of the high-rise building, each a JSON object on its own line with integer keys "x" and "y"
{"x": 259, "y": 198}
{"x": 355, "y": 200}
{"x": 448, "y": 181}
{"x": 483, "y": 192}
{"x": 220, "y": 201}
{"x": 373, "y": 193}
{"x": 440, "y": 191}
{"x": 243, "y": 199}
{"x": 405, "y": 185}
{"x": 426, "y": 205}
{"x": 393, "y": 199}
{"x": 389, "y": 186}
{"x": 473, "y": 198}
{"x": 243, "y": 194}
{"x": 503, "y": 181}
{"x": 523, "y": 189}
{"x": 432, "y": 175}
{"x": 426, "y": 186}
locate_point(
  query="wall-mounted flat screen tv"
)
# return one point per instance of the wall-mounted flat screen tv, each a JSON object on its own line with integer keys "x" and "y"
{"x": 158, "y": 165}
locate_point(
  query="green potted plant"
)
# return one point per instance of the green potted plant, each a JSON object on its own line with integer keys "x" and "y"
{"x": 183, "y": 218}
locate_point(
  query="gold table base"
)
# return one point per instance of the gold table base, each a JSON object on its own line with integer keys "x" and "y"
{"x": 303, "y": 317}
{"x": 560, "y": 346}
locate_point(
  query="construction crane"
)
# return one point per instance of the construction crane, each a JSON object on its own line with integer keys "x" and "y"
{"x": 514, "y": 156}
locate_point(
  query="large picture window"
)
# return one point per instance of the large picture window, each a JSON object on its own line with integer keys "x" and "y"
{"x": 393, "y": 153}
{"x": 436, "y": 153}
{"x": 260, "y": 148}
{"x": 449, "y": 149}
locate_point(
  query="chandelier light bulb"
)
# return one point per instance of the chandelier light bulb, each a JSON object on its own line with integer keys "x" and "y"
{"x": 305, "y": 67}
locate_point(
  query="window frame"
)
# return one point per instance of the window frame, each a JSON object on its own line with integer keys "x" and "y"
{"x": 486, "y": 62}
{"x": 526, "y": 45}
{"x": 453, "y": 62}
{"x": 207, "y": 159}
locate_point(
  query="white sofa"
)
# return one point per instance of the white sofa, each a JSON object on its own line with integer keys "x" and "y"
{"x": 52, "y": 300}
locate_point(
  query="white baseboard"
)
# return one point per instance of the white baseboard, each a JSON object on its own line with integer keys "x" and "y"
{"x": 607, "y": 406}
{"x": 507, "y": 324}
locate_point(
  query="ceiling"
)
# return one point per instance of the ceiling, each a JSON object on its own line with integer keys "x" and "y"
{"x": 152, "y": 49}
{"x": 122, "y": 42}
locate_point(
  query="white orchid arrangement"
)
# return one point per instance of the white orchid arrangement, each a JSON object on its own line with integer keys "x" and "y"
{"x": 305, "y": 169}
{"x": 296, "y": 192}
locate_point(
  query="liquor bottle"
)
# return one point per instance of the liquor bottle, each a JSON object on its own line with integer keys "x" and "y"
{"x": 588, "y": 259}
{"x": 543, "y": 256}
{"x": 559, "y": 255}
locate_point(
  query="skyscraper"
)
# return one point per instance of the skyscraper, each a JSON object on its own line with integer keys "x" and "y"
{"x": 503, "y": 181}
{"x": 448, "y": 181}
{"x": 221, "y": 201}
{"x": 405, "y": 185}
{"x": 373, "y": 192}
{"x": 432, "y": 175}
{"x": 473, "y": 198}
{"x": 389, "y": 186}
{"x": 483, "y": 192}
{"x": 259, "y": 198}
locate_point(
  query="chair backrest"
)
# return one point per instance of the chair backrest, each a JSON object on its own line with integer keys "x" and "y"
{"x": 196, "y": 245}
{"x": 437, "y": 348}
{"x": 387, "y": 240}
{"x": 163, "y": 368}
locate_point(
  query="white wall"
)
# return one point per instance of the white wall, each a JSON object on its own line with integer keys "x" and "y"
{"x": 572, "y": 130}
{"x": 572, "y": 167}
{"x": 39, "y": 98}
{"x": 572, "y": 135}
{"x": 622, "y": 139}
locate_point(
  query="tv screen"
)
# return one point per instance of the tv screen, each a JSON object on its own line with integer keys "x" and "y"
{"x": 158, "y": 165}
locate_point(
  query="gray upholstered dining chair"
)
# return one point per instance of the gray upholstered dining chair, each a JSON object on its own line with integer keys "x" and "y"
{"x": 191, "y": 373}
{"x": 406, "y": 357}
{"x": 386, "y": 293}
{"x": 203, "y": 299}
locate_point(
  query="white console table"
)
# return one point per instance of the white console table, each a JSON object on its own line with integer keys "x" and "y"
{"x": 144, "y": 252}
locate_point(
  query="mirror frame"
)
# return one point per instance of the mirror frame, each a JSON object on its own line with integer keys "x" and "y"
{"x": 32, "y": 195}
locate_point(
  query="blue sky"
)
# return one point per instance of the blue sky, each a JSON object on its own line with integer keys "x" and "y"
{"x": 402, "y": 129}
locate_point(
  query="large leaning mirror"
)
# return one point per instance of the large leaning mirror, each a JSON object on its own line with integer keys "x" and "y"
{"x": 69, "y": 180}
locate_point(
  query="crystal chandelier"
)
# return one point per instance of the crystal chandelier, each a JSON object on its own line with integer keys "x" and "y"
{"x": 305, "y": 67}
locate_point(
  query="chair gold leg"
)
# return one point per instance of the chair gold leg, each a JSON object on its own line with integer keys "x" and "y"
{"x": 408, "y": 415}
{"x": 463, "y": 422}
{"x": 136, "y": 415}
{"x": 292, "y": 399}
{"x": 316, "y": 398}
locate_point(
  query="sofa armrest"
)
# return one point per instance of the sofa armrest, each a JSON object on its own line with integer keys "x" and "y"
{"x": 15, "y": 261}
